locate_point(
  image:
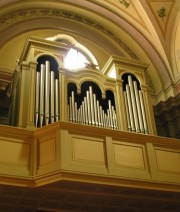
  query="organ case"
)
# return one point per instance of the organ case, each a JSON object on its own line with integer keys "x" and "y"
{"x": 41, "y": 95}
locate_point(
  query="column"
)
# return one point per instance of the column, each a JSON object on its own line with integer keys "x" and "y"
{"x": 31, "y": 95}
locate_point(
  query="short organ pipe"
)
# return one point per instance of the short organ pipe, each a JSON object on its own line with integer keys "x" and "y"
{"x": 91, "y": 112}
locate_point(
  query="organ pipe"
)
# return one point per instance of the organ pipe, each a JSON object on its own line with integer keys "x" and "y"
{"x": 42, "y": 73}
{"x": 37, "y": 97}
{"x": 47, "y": 89}
{"x": 127, "y": 111}
{"x": 88, "y": 107}
{"x": 52, "y": 96}
{"x": 57, "y": 99}
{"x": 46, "y": 96}
{"x": 138, "y": 106}
{"x": 143, "y": 112}
{"x": 98, "y": 113}
{"x": 95, "y": 109}
{"x": 73, "y": 107}
{"x": 130, "y": 108}
{"x": 91, "y": 104}
{"x": 135, "y": 109}
{"x": 86, "y": 110}
{"x": 133, "y": 103}
{"x": 70, "y": 108}
{"x": 91, "y": 112}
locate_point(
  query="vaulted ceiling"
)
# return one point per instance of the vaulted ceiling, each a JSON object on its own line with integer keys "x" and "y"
{"x": 147, "y": 31}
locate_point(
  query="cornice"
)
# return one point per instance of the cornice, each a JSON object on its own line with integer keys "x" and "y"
{"x": 29, "y": 14}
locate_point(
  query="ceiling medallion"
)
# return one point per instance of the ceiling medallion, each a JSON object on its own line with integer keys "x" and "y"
{"x": 126, "y": 3}
{"x": 162, "y": 12}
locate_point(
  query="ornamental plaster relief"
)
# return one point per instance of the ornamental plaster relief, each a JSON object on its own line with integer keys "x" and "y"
{"x": 28, "y": 14}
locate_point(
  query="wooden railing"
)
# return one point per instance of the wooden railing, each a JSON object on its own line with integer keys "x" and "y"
{"x": 89, "y": 154}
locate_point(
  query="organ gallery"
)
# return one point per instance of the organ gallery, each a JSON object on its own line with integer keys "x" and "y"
{"x": 89, "y": 105}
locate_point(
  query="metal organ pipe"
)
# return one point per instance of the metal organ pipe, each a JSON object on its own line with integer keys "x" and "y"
{"x": 130, "y": 108}
{"x": 47, "y": 96}
{"x": 47, "y": 89}
{"x": 86, "y": 109}
{"x": 133, "y": 104}
{"x": 143, "y": 112}
{"x": 95, "y": 109}
{"x": 52, "y": 96}
{"x": 91, "y": 112}
{"x": 37, "y": 98}
{"x": 127, "y": 111}
{"x": 135, "y": 109}
{"x": 73, "y": 107}
{"x": 42, "y": 94}
{"x": 138, "y": 107}
{"x": 57, "y": 99}
{"x": 91, "y": 105}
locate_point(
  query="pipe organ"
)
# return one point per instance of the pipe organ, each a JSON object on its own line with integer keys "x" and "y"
{"x": 47, "y": 96}
{"x": 135, "y": 108}
{"x": 41, "y": 96}
{"x": 90, "y": 112}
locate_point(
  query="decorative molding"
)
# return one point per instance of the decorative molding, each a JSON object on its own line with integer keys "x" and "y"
{"x": 149, "y": 83}
{"x": 36, "y": 52}
{"x": 29, "y": 14}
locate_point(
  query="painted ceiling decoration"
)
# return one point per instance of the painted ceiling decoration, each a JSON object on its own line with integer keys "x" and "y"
{"x": 162, "y": 12}
{"x": 26, "y": 14}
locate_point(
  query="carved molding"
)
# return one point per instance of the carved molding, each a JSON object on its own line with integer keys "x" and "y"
{"x": 149, "y": 83}
{"x": 28, "y": 14}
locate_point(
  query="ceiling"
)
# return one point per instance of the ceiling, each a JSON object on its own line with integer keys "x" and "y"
{"x": 147, "y": 31}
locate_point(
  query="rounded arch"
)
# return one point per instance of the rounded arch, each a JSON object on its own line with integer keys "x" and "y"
{"x": 71, "y": 41}
{"x": 125, "y": 80}
{"x": 53, "y": 64}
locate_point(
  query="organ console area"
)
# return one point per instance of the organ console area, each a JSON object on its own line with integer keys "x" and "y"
{"x": 44, "y": 92}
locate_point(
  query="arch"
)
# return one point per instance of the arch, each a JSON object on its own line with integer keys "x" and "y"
{"x": 69, "y": 40}
{"x": 53, "y": 64}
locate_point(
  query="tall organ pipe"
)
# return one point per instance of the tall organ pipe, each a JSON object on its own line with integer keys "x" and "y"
{"x": 73, "y": 107}
{"x": 99, "y": 114}
{"x": 37, "y": 97}
{"x": 138, "y": 106}
{"x": 133, "y": 103}
{"x": 42, "y": 94}
{"x": 91, "y": 104}
{"x": 110, "y": 114}
{"x": 130, "y": 108}
{"x": 47, "y": 89}
{"x": 127, "y": 111}
{"x": 86, "y": 110}
{"x": 70, "y": 108}
{"x": 52, "y": 96}
{"x": 88, "y": 107}
{"x": 57, "y": 99}
{"x": 95, "y": 109}
{"x": 143, "y": 112}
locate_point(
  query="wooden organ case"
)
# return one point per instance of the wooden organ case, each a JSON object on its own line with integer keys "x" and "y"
{"x": 44, "y": 92}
